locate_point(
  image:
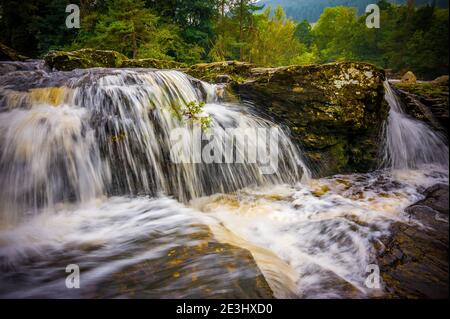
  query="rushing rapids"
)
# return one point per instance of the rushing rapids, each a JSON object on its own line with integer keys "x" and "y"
{"x": 87, "y": 179}
{"x": 409, "y": 143}
{"x": 78, "y": 135}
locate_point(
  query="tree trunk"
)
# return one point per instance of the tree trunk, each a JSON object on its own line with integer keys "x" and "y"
{"x": 241, "y": 30}
{"x": 134, "y": 39}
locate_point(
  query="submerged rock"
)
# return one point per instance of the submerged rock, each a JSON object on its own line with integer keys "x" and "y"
{"x": 210, "y": 269}
{"x": 414, "y": 261}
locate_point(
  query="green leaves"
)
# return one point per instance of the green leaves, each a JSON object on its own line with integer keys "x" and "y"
{"x": 193, "y": 113}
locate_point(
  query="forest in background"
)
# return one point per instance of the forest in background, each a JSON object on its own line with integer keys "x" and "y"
{"x": 193, "y": 31}
{"x": 312, "y": 9}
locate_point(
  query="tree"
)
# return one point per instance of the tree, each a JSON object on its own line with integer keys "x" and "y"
{"x": 303, "y": 33}
{"x": 195, "y": 18}
{"x": 273, "y": 43}
{"x": 243, "y": 13}
{"x": 125, "y": 26}
{"x": 333, "y": 33}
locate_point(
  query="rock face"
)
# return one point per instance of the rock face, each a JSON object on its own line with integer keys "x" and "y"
{"x": 427, "y": 101}
{"x": 414, "y": 262}
{"x": 90, "y": 58}
{"x": 335, "y": 111}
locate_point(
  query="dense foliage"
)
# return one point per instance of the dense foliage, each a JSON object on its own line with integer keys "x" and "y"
{"x": 191, "y": 31}
{"x": 311, "y": 10}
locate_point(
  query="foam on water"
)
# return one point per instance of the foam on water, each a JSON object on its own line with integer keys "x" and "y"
{"x": 326, "y": 231}
{"x": 86, "y": 179}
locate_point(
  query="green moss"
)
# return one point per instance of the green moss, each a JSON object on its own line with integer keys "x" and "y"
{"x": 82, "y": 59}
{"x": 427, "y": 89}
{"x": 152, "y": 63}
{"x": 90, "y": 58}
{"x": 239, "y": 72}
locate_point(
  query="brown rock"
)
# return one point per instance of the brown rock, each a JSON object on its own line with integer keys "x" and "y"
{"x": 414, "y": 261}
{"x": 409, "y": 77}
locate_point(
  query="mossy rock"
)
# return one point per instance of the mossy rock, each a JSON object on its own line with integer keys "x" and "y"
{"x": 152, "y": 63}
{"x": 237, "y": 71}
{"x": 91, "y": 58}
{"x": 426, "y": 101}
{"x": 83, "y": 59}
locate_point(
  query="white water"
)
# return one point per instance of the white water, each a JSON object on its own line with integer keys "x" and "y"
{"x": 410, "y": 143}
{"x": 60, "y": 170}
{"x": 73, "y": 136}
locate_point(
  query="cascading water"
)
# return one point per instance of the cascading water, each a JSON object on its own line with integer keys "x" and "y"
{"x": 409, "y": 143}
{"x": 87, "y": 178}
{"x": 78, "y": 135}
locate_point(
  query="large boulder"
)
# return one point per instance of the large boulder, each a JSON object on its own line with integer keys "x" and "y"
{"x": 335, "y": 111}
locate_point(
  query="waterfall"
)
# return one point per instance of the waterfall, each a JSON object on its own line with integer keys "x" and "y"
{"x": 75, "y": 136}
{"x": 410, "y": 143}
{"x": 79, "y": 148}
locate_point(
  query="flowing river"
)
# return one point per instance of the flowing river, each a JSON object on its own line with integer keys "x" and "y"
{"x": 87, "y": 178}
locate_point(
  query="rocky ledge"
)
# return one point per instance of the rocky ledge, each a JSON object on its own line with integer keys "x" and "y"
{"x": 427, "y": 101}
{"x": 414, "y": 260}
{"x": 90, "y": 58}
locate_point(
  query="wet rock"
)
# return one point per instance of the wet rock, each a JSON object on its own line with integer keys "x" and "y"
{"x": 223, "y": 78}
{"x": 414, "y": 261}
{"x": 207, "y": 270}
{"x": 437, "y": 198}
{"x": 426, "y": 101}
{"x": 409, "y": 77}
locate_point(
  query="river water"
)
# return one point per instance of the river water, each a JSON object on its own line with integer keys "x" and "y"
{"x": 86, "y": 179}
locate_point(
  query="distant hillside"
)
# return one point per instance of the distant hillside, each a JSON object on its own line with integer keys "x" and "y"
{"x": 312, "y": 9}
